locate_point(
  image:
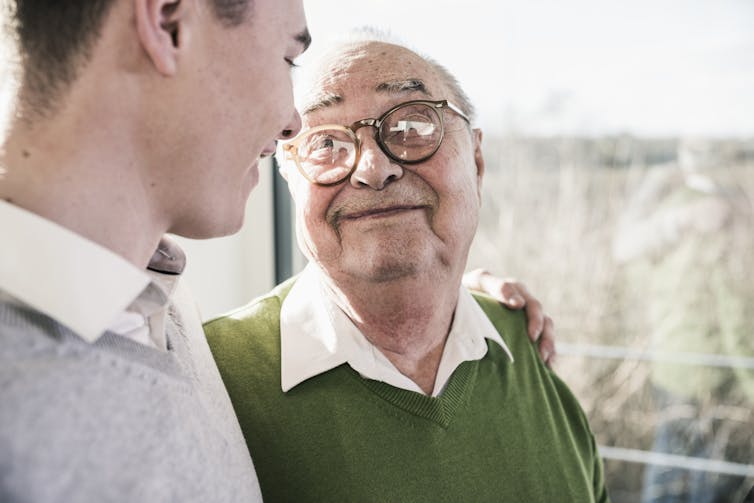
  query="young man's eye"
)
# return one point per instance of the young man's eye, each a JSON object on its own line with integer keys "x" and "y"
{"x": 291, "y": 63}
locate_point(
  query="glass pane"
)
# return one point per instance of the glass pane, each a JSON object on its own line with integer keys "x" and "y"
{"x": 595, "y": 116}
{"x": 641, "y": 250}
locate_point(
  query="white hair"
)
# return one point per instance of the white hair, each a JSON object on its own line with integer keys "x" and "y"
{"x": 366, "y": 34}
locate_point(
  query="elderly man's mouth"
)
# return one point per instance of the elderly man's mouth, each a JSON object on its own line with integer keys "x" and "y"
{"x": 382, "y": 212}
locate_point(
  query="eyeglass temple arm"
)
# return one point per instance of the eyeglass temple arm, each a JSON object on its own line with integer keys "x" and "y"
{"x": 458, "y": 111}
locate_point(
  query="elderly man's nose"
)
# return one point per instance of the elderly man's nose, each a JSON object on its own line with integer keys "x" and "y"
{"x": 375, "y": 169}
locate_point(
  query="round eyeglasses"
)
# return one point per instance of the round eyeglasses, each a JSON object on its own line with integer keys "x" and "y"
{"x": 408, "y": 133}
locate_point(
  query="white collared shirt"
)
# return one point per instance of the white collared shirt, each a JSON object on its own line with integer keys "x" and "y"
{"x": 77, "y": 282}
{"x": 317, "y": 336}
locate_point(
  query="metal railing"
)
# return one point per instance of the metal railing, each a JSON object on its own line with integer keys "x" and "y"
{"x": 683, "y": 358}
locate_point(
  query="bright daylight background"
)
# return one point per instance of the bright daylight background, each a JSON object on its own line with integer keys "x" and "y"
{"x": 586, "y": 66}
{"x": 619, "y": 187}
{"x": 620, "y": 179}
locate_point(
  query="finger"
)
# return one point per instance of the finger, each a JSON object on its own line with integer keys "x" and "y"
{"x": 507, "y": 291}
{"x": 473, "y": 279}
{"x": 536, "y": 316}
{"x": 510, "y": 293}
{"x": 547, "y": 348}
{"x": 534, "y": 312}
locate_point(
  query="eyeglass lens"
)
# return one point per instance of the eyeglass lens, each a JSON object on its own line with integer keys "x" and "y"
{"x": 327, "y": 156}
{"x": 410, "y": 133}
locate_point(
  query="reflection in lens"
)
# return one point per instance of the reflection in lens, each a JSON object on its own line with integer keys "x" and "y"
{"x": 332, "y": 176}
{"x": 327, "y": 156}
{"x": 412, "y": 132}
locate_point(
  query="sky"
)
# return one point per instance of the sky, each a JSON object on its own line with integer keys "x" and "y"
{"x": 587, "y": 67}
{"x": 593, "y": 67}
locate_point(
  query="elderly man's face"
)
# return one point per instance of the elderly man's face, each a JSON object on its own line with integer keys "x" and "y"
{"x": 387, "y": 221}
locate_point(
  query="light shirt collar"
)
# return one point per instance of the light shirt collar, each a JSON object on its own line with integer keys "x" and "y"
{"x": 317, "y": 336}
{"x": 75, "y": 281}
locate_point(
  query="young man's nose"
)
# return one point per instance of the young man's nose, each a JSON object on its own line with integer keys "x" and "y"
{"x": 292, "y": 128}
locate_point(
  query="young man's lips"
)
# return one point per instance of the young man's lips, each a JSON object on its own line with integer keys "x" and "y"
{"x": 380, "y": 212}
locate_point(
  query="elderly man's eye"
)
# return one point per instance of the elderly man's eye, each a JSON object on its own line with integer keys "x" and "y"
{"x": 321, "y": 148}
{"x": 413, "y": 127}
{"x": 408, "y": 125}
{"x": 330, "y": 143}
{"x": 409, "y": 133}
{"x": 325, "y": 143}
{"x": 318, "y": 143}
{"x": 326, "y": 148}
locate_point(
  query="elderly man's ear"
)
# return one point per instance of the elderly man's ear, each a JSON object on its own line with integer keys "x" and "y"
{"x": 479, "y": 160}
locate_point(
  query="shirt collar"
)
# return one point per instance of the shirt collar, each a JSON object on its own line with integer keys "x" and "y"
{"x": 69, "y": 278}
{"x": 316, "y": 336}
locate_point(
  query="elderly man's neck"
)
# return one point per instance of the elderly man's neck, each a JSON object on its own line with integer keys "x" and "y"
{"x": 408, "y": 319}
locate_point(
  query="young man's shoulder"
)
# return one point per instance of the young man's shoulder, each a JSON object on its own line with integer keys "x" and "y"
{"x": 26, "y": 334}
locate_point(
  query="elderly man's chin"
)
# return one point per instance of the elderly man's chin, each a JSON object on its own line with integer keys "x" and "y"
{"x": 380, "y": 261}
{"x": 384, "y": 271}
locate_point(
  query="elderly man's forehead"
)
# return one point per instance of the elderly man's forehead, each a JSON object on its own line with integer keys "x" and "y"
{"x": 372, "y": 67}
{"x": 362, "y": 56}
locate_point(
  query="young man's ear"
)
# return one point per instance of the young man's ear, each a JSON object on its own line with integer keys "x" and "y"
{"x": 162, "y": 29}
{"x": 478, "y": 160}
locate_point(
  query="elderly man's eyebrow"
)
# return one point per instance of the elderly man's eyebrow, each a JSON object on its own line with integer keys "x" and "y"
{"x": 403, "y": 86}
{"x": 328, "y": 99}
{"x": 323, "y": 100}
{"x": 304, "y": 38}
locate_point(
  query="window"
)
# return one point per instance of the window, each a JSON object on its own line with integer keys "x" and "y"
{"x": 619, "y": 141}
{"x": 641, "y": 261}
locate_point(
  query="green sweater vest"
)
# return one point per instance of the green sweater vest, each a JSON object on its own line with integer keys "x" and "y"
{"x": 499, "y": 432}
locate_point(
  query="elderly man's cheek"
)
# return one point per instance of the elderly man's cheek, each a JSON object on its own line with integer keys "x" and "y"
{"x": 317, "y": 239}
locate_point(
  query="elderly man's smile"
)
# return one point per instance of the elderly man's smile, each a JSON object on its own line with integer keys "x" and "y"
{"x": 384, "y": 212}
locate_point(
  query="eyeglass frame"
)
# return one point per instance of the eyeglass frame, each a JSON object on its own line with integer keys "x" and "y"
{"x": 291, "y": 147}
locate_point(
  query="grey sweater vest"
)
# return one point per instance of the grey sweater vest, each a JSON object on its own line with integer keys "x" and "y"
{"x": 114, "y": 420}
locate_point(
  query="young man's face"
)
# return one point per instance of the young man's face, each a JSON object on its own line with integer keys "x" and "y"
{"x": 388, "y": 221}
{"x": 237, "y": 100}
